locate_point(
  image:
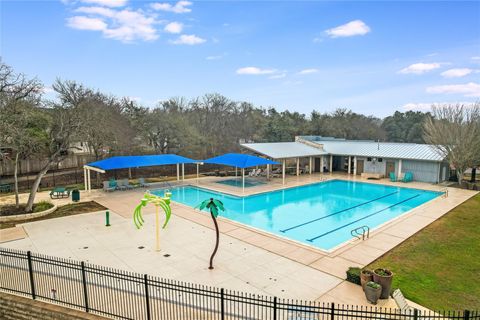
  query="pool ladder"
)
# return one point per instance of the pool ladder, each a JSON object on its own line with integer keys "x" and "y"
{"x": 361, "y": 233}
{"x": 445, "y": 192}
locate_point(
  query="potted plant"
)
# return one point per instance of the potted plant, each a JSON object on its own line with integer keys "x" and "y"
{"x": 373, "y": 291}
{"x": 365, "y": 276}
{"x": 384, "y": 278}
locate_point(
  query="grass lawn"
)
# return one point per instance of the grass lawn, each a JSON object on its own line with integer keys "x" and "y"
{"x": 439, "y": 267}
{"x": 63, "y": 211}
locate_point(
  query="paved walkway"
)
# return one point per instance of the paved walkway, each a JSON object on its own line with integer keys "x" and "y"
{"x": 248, "y": 260}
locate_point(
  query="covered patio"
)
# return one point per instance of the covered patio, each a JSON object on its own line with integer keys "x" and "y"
{"x": 241, "y": 161}
{"x": 287, "y": 151}
{"x": 128, "y": 162}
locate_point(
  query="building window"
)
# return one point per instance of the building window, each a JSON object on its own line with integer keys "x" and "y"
{"x": 369, "y": 159}
{"x": 380, "y": 159}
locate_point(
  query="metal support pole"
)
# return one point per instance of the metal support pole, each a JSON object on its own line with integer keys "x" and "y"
{"x": 183, "y": 171}
{"x": 89, "y": 181}
{"x": 466, "y": 315}
{"x": 268, "y": 171}
{"x": 349, "y": 165}
{"x": 107, "y": 218}
{"x": 283, "y": 171}
{"x": 85, "y": 179}
{"x": 178, "y": 172}
{"x": 30, "y": 272}
{"x": 274, "y": 308}
{"x": 147, "y": 297}
{"x": 298, "y": 167}
{"x": 198, "y": 171}
{"x": 85, "y": 291}
{"x": 222, "y": 303}
{"x": 243, "y": 179}
{"x": 310, "y": 165}
{"x": 355, "y": 165}
{"x": 332, "y": 312}
{"x": 331, "y": 163}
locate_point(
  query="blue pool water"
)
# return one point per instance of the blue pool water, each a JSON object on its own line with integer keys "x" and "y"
{"x": 321, "y": 214}
{"x": 238, "y": 182}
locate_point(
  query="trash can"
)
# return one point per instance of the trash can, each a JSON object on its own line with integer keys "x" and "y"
{"x": 75, "y": 195}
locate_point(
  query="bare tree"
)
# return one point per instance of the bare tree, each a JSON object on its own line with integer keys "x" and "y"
{"x": 64, "y": 122}
{"x": 454, "y": 130}
{"x": 18, "y": 120}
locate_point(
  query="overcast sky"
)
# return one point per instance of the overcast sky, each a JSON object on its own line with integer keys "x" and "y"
{"x": 372, "y": 57}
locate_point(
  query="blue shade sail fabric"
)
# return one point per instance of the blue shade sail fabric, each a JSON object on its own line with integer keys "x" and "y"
{"x": 239, "y": 160}
{"x": 123, "y": 162}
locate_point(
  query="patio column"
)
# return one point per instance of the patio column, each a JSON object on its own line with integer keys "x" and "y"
{"x": 331, "y": 163}
{"x": 298, "y": 167}
{"x": 243, "y": 179}
{"x": 183, "y": 171}
{"x": 198, "y": 165}
{"x": 89, "y": 181}
{"x": 85, "y": 178}
{"x": 310, "y": 165}
{"x": 283, "y": 171}
{"x": 355, "y": 165}
{"x": 268, "y": 171}
{"x": 321, "y": 164}
{"x": 178, "y": 172}
{"x": 349, "y": 164}
{"x": 399, "y": 168}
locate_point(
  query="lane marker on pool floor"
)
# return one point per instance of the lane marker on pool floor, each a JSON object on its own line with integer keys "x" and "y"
{"x": 343, "y": 210}
{"x": 372, "y": 214}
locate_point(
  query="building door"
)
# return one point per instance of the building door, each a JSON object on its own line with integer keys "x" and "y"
{"x": 359, "y": 167}
{"x": 390, "y": 167}
{"x": 317, "y": 165}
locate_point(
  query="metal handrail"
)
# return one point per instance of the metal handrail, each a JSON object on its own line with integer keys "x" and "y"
{"x": 445, "y": 192}
{"x": 365, "y": 230}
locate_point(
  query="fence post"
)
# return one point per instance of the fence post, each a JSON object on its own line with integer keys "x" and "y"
{"x": 415, "y": 314}
{"x": 147, "y": 297}
{"x": 30, "y": 271}
{"x": 466, "y": 314}
{"x": 84, "y": 280}
{"x": 222, "y": 303}
{"x": 274, "y": 308}
{"x": 332, "y": 311}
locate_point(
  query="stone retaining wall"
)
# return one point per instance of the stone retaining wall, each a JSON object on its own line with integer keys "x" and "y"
{"x": 13, "y": 307}
{"x": 28, "y": 216}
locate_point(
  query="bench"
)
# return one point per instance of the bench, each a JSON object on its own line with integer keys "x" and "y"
{"x": 371, "y": 175}
{"x": 6, "y": 187}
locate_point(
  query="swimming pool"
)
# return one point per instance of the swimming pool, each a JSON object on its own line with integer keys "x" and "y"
{"x": 321, "y": 214}
{"x": 238, "y": 182}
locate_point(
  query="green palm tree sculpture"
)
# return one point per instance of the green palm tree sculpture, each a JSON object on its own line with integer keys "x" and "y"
{"x": 158, "y": 202}
{"x": 214, "y": 206}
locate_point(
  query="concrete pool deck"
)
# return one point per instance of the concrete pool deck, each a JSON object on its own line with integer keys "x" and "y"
{"x": 248, "y": 260}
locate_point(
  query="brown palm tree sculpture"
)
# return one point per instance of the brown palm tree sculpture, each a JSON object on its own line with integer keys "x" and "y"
{"x": 213, "y": 205}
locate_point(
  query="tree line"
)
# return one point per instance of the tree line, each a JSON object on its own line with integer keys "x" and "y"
{"x": 33, "y": 126}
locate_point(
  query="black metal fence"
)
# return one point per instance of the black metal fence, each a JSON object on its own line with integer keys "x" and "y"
{"x": 127, "y": 295}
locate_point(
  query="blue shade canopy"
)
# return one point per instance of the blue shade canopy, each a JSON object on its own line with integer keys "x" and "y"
{"x": 239, "y": 160}
{"x": 123, "y": 162}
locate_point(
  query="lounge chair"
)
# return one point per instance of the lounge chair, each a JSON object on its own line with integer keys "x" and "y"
{"x": 120, "y": 186}
{"x": 401, "y": 302}
{"x": 127, "y": 184}
{"x": 107, "y": 187}
{"x": 142, "y": 183}
{"x": 393, "y": 178}
{"x": 252, "y": 173}
{"x": 408, "y": 177}
{"x": 59, "y": 193}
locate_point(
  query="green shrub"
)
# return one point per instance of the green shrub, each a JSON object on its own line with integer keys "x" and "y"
{"x": 42, "y": 206}
{"x": 353, "y": 275}
{"x": 383, "y": 272}
{"x": 373, "y": 285}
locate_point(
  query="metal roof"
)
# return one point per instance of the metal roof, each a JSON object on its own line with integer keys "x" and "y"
{"x": 283, "y": 150}
{"x": 409, "y": 151}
